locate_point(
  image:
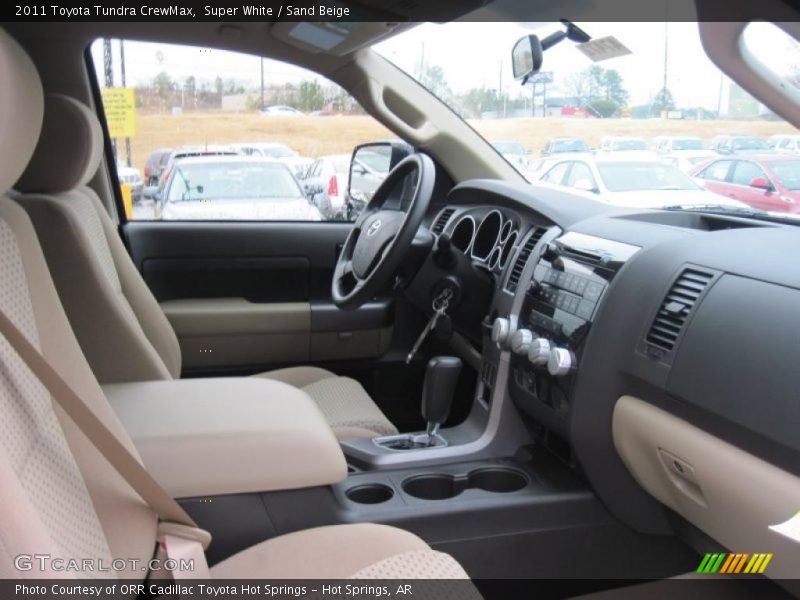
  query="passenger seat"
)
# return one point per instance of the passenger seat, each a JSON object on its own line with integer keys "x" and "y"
{"x": 65, "y": 498}
{"x": 120, "y": 326}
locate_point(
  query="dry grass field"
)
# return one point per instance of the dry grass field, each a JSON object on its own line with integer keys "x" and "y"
{"x": 315, "y": 136}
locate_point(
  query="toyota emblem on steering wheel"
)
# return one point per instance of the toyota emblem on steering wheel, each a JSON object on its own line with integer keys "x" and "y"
{"x": 373, "y": 228}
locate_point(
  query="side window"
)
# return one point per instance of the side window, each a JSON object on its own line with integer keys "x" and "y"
{"x": 745, "y": 171}
{"x": 206, "y": 134}
{"x": 717, "y": 171}
{"x": 556, "y": 173}
{"x": 580, "y": 177}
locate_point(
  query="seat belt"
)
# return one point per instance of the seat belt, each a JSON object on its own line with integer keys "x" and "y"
{"x": 178, "y": 535}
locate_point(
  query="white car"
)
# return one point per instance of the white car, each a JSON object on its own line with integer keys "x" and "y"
{"x": 514, "y": 152}
{"x": 633, "y": 183}
{"x": 785, "y": 144}
{"x": 671, "y": 144}
{"x": 132, "y": 177}
{"x": 281, "y": 110}
{"x": 631, "y": 147}
{"x": 233, "y": 188}
{"x": 686, "y": 160}
{"x": 330, "y": 175}
{"x": 287, "y": 155}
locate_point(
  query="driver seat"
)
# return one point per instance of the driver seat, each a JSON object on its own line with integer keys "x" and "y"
{"x": 122, "y": 330}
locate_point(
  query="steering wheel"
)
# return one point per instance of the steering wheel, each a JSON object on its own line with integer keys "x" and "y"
{"x": 381, "y": 235}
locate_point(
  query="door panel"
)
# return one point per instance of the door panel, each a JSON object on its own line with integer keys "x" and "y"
{"x": 256, "y": 294}
{"x": 221, "y": 332}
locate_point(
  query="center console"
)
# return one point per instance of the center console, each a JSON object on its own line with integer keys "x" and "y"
{"x": 561, "y": 297}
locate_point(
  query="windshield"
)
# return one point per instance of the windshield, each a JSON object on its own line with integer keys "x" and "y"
{"x": 278, "y": 152}
{"x": 508, "y": 147}
{"x": 750, "y": 144}
{"x": 661, "y": 87}
{"x": 569, "y": 146}
{"x": 629, "y": 177}
{"x": 626, "y": 145}
{"x": 787, "y": 173}
{"x": 687, "y": 144}
{"x": 207, "y": 182}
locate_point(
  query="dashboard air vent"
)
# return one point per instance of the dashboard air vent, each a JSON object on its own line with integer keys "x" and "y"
{"x": 522, "y": 258}
{"x": 675, "y": 309}
{"x": 442, "y": 219}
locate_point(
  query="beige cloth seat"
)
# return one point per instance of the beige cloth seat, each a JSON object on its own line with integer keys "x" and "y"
{"x": 65, "y": 498}
{"x": 120, "y": 326}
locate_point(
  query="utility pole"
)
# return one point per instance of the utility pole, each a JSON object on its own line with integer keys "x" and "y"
{"x": 666, "y": 59}
{"x": 108, "y": 75}
{"x": 122, "y": 77}
{"x": 500, "y": 92}
{"x": 261, "y": 107}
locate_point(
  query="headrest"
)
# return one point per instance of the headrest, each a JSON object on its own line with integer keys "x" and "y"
{"x": 21, "y": 107}
{"x": 69, "y": 151}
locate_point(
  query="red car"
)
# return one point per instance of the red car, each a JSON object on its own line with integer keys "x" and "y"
{"x": 769, "y": 182}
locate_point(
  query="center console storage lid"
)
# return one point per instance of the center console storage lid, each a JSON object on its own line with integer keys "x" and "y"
{"x": 202, "y": 437}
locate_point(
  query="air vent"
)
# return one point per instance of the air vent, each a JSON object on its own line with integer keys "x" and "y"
{"x": 442, "y": 219}
{"x": 522, "y": 258}
{"x": 675, "y": 309}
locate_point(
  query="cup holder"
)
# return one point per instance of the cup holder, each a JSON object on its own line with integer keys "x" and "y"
{"x": 371, "y": 493}
{"x": 437, "y": 486}
{"x": 501, "y": 481}
{"x": 431, "y": 487}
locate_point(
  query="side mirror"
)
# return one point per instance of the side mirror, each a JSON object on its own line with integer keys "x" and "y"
{"x": 761, "y": 184}
{"x": 526, "y": 57}
{"x": 369, "y": 166}
{"x": 586, "y": 185}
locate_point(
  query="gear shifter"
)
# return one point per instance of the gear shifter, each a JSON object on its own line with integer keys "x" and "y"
{"x": 441, "y": 377}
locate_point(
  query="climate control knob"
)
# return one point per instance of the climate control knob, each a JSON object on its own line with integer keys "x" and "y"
{"x": 539, "y": 351}
{"x": 501, "y": 332}
{"x": 521, "y": 341}
{"x": 561, "y": 362}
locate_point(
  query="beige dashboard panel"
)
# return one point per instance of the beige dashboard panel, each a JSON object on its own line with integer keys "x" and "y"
{"x": 728, "y": 493}
{"x": 232, "y": 331}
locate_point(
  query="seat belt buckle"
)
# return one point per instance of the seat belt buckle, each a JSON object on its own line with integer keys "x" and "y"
{"x": 186, "y": 532}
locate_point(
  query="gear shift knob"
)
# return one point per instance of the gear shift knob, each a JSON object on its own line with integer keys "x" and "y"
{"x": 437, "y": 392}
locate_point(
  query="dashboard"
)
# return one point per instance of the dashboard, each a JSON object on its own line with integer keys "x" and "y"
{"x": 696, "y": 312}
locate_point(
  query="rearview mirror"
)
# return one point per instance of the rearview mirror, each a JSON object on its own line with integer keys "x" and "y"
{"x": 526, "y": 57}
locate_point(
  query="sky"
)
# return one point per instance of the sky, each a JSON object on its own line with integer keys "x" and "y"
{"x": 478, "y": 55}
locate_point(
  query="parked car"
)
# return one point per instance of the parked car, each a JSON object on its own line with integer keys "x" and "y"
{"x": 185, "y": 152}
{"x": 281, "y": 110}
{"x": 330, "y": 175}
{"x": 770, "y": 182}
{"x": 786, "y": 144}
{"x": 132, "y": 177}
{"x": 155, "y": 164}
{"x": 631, "y": 146}
{"x": 233, "y": 188}
{"x": 565, "y": 145}
{"x": 287, "y": 155}
{"x": 686, "y": 160}
{"x": 671, "y": 144}
{"x": 513, "y": 151}
{"x": 632, "y": 182}
{"x": 739, "y": 144}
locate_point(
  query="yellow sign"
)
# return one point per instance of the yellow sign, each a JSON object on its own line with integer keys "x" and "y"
{"x": 120, "y": 109}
